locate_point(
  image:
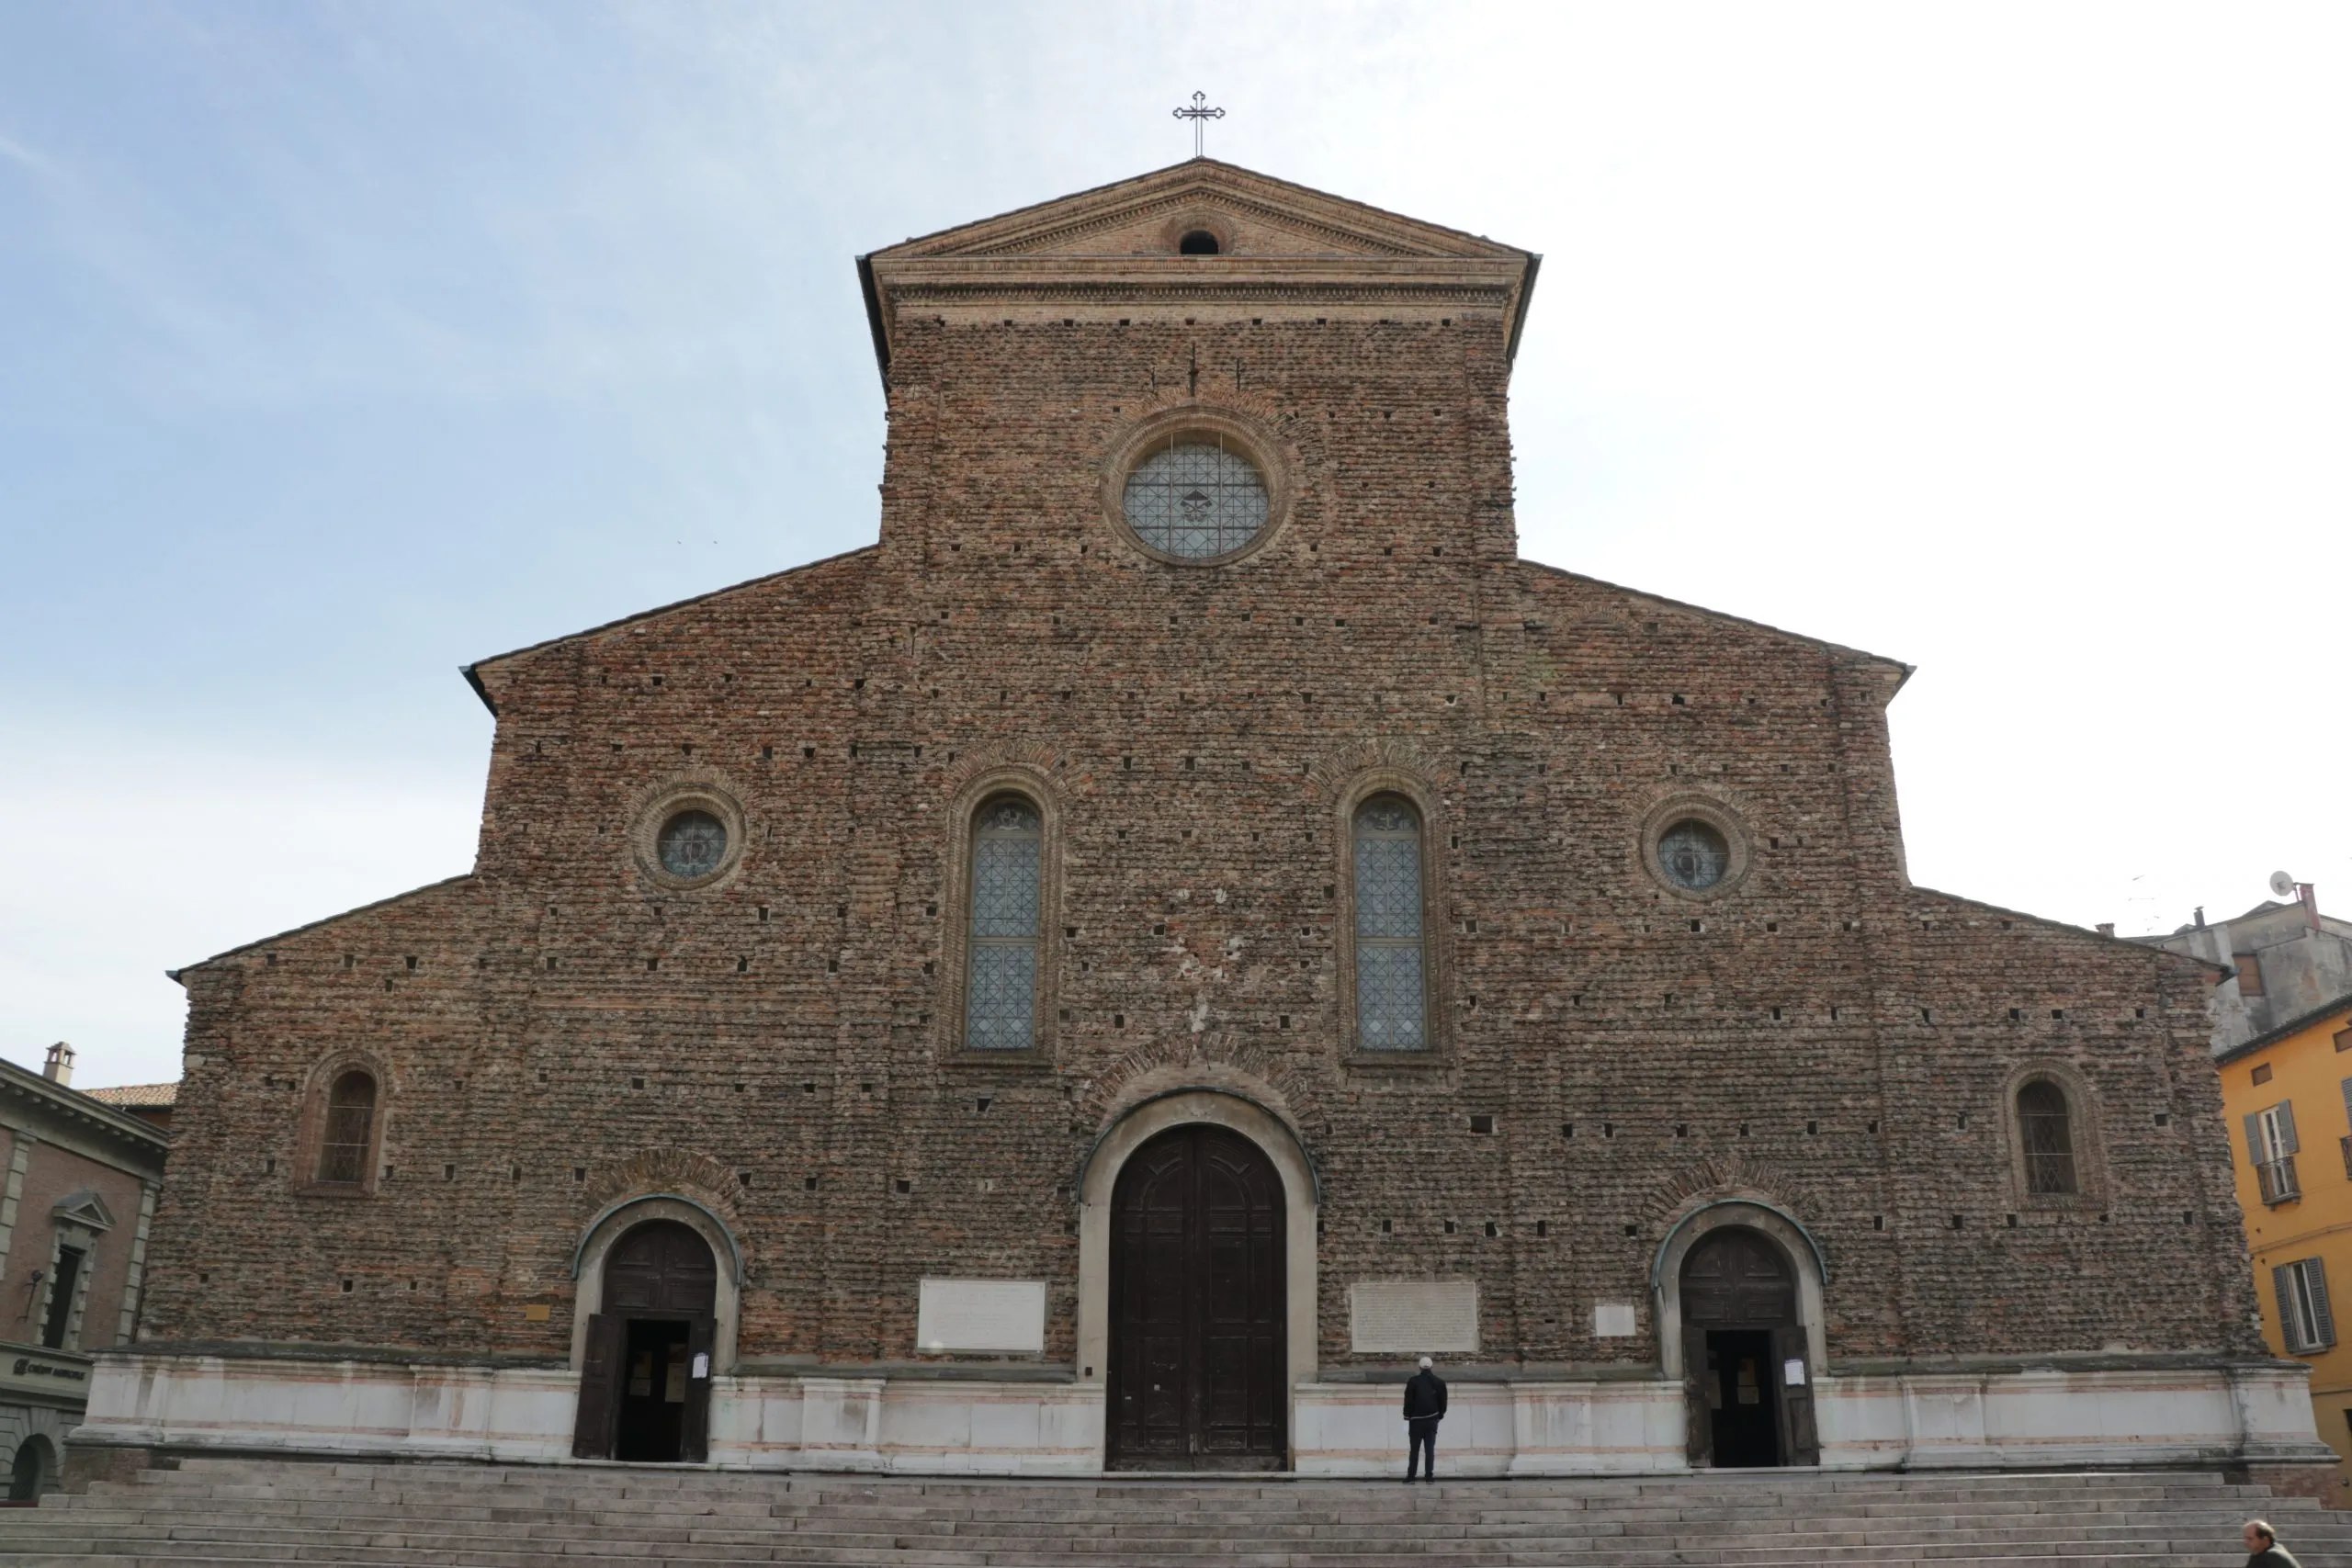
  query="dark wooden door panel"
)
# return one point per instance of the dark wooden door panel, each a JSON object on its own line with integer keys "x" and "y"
{"x": 1197, "y": 1314}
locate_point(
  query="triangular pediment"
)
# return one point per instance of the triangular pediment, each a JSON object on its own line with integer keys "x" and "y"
{"x": 84, "y": 1208}
{"x": 1118, "y": 251}
{"x": 1252, "y": 214}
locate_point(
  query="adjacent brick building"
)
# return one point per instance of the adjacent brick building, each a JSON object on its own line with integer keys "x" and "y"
{"x": 1186, "y": 920}
{"x": 75, "y": 1203}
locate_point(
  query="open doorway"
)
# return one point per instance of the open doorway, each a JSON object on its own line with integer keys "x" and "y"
{"x": 645, "y": 1382}
{"x": 1746, "y": 1377}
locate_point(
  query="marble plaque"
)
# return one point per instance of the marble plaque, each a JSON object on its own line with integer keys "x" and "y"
{"x": 1413, "y": 1317}
{"x": 1614, "y": 1320}
{"x": 982, "y": 1314}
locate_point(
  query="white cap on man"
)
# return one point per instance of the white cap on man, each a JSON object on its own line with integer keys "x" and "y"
{"x": 1426, "y": 1363}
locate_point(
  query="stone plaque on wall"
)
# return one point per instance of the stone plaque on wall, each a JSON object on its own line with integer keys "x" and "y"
{"x": 1413, "y": 1317}
{"x": 982, "y": 1314}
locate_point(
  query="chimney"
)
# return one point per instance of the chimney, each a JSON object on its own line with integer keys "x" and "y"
{"x": 2200, "y": 917}
{"x": 59, "y": 1068}
{"x": 2107, "y": 928}
{"x": 2310, "y": 896}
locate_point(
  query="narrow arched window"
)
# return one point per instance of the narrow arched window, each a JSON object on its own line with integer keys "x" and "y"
{"x": 1392, "y": 973}
{"x": 349, "y": 1128}
{"x": 2047, "y": 1127}
{"x": 1000, "y": 994}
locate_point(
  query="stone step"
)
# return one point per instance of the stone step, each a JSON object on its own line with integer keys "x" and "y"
{"x": 220, "y": 1513}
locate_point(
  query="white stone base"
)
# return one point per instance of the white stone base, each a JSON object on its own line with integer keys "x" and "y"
{"x": 936, "y": 1426}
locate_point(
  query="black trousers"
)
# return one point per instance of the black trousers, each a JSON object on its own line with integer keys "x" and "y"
{"x": 1423, "y": 1433}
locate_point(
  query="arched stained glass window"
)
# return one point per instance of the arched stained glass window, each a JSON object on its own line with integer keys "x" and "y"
{"x": 2047, "y": 1127}
{"x": 350, "y": 1127}
{"x": 1197, "y": 499}
{"x": 1392, "y": 1011}
{"x": 1000, "y": 994}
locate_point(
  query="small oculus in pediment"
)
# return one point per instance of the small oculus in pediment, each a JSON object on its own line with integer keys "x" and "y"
{"x": 84, "y": 1208}
{"x": 1176, "y": 211}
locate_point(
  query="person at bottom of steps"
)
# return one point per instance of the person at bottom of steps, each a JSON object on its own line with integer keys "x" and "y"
{"x": 1424, "y": 1408}
{"x": 2263, "y": 1548}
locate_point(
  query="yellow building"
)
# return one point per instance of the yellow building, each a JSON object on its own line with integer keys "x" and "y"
{"x": 2289, "y": 1094}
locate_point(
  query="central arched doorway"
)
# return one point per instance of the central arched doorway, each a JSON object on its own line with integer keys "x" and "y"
{"x": 1197, "y": 1309}
{"x": 645, "y": 1383}
{"x": 1744, "y": 1354}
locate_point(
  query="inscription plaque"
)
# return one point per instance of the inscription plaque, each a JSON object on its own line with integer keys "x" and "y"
{"x": 982, "y": 1314}
{"x": 1413, "y": 1317}
{"x": 1614, "y": 1320}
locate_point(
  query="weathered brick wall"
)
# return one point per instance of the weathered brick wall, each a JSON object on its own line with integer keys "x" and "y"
{"x": 777, "y": 1038}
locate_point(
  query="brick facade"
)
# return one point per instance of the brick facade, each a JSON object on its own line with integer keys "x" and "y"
{"x": 558, "y": 1030}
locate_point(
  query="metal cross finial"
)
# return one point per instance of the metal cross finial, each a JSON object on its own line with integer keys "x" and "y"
{"x": 1197, "y": 114}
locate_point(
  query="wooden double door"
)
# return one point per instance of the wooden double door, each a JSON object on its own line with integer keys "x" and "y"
{"x": 645, "y": 1382}
{"x": 1198, "y": 1315}
{"x": 1747, "y": 1380}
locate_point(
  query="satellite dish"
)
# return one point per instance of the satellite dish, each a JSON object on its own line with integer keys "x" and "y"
{"x": 2281, "y": 884}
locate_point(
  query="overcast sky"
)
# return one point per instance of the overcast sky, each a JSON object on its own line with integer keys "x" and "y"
{"x": 342, "y": 344}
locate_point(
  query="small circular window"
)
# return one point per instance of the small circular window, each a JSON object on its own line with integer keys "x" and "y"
{"x": 692, "y": 845}
{"x": 1197, "y": 499}
{"x": 1693, "y": 854}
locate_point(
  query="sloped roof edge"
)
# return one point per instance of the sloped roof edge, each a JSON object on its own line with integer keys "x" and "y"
{"x": 474, "y": 679}
{"x": 1712, "y": 615}
{"x": 174, "y": 975}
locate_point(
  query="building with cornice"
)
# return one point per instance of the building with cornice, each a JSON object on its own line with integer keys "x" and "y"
{"x": 1185, "y": 922}
{"x": 79, "y": 1194}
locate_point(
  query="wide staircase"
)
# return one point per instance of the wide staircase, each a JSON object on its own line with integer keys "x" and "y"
{"x": 227, "y": 1512}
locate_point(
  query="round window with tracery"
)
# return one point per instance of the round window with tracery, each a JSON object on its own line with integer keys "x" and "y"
{"x": 1693, "y": 854}
{"x": 692, "y": 845}
{"x": 1196, "y": 498}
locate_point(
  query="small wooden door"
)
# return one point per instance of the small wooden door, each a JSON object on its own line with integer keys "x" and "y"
{"x": 1737, "y": 1284}
{"x": 1698, "y": 1398}
{"x": 1792, "y": 1368}
{"x": 694, "y": 1441}
{"x": 600, "y": 1382}
{"x": 1198, "y": 1319}
{"x": 660, "y": 1272}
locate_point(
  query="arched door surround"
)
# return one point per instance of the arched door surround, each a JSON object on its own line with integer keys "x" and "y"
{"x": 655, "y": 1314}
{"x": 1098, "y": 1181}
{"x": 1748, "y": 1379}
{"x": 33, "y": 1471}
{"x": 1197, "y": 1321}
{"x": 616, "y": 1219}
{"x": 1757, "y": 1213}
{"x": 645, "y": 1386}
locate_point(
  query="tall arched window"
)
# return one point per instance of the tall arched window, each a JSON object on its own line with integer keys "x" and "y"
{"x": 348, "y": 1129}
{"x": 1001, "y": 996}
{"x": 2046, "y": 1124}
{"x": 1392, "y": 973}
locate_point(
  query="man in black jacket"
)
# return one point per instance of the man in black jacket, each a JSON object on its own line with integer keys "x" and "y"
{"x": 1424, "y": 1408}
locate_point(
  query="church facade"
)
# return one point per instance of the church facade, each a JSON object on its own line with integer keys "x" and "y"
{"x": 1185, "y": 922}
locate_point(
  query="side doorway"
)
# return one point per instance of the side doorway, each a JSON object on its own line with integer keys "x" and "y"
{"x": 1747, "y": 1381}
{"x": 645, "y": 1383}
